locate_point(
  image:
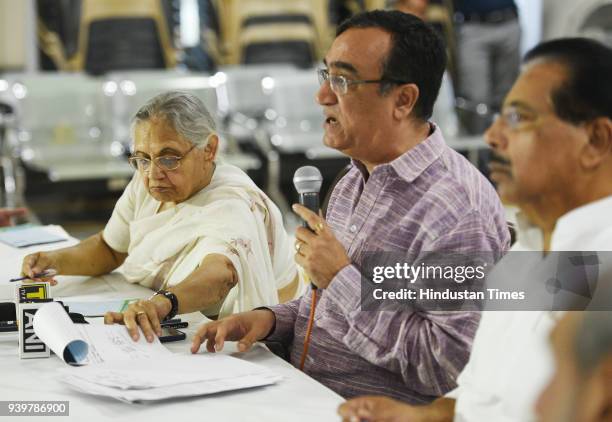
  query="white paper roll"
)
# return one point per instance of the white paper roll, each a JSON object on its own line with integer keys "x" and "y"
{"x": 54, "y": 327}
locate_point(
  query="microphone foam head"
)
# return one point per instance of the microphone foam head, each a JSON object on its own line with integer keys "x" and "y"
{"x": 307, "y": 179}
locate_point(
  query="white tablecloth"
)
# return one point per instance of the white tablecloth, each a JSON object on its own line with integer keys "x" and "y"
{"x": 296, "y": 398}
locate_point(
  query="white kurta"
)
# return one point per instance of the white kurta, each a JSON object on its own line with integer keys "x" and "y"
{"x": 511, "y": 361}
{"x": 230, "y": 216}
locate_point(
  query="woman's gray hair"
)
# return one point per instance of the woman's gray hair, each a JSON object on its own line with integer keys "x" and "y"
{"x": 184, "y": 111}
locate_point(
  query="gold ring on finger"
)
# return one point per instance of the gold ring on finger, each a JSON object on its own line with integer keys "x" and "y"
{"x": 319, "y": 227}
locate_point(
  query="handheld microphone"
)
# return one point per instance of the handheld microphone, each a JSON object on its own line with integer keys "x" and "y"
{"x": 307, "y": 181}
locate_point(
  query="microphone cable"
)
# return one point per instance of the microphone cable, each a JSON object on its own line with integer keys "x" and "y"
{"x": 313, "y": 304}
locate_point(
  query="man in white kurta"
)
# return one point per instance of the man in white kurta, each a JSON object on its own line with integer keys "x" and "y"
{"x": 511, "y": 362}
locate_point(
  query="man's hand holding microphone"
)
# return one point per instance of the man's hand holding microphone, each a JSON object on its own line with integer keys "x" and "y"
{"x": 318, "y": 251}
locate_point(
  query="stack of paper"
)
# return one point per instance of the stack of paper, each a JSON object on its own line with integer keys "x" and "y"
{"x": 107, "y": 362}
{"x": 169, "y": 377}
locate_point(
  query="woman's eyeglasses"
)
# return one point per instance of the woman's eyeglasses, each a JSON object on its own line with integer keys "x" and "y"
{"x": 164, "y": 162}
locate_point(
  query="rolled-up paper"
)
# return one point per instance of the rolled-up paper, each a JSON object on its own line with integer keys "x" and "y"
{"x": 55, "y": 328}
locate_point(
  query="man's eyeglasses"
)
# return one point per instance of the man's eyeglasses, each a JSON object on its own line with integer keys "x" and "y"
{"x": 165, "y": 162}
{"x": 516, "y": 119}
{"x": 340, "y": 84}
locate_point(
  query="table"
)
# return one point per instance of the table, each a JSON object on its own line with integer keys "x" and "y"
{"x": 297, "y": 397}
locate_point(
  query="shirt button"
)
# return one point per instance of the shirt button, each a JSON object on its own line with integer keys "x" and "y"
{"x": 353, "y": 228}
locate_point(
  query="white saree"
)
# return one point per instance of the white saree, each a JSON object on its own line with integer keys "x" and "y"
{"x": 231, "y": 216}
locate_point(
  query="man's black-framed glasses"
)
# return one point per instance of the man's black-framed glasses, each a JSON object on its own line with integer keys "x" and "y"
{"x": 164, "y": 162}
{"x": 340, "y": 83}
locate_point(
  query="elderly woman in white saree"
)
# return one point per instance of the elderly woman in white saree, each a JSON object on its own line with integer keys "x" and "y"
{"x": 198, "y": 232}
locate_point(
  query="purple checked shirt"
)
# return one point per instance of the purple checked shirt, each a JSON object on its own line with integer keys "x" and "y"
{"x": 428, "y": 199}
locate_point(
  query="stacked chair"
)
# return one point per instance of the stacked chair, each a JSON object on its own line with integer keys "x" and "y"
{"x": 114, "y": 35}
{"x": 274, "y": 31}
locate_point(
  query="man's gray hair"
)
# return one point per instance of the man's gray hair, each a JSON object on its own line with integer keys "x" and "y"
{"x": 593, "y": 341}
{"x": 184, "y": 111}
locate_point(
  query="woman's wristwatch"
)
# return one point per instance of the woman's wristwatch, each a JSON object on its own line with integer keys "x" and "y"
{"x": 173, "y": 300}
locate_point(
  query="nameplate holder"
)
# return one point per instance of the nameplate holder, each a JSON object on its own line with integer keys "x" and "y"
{"x": 30, "y": 346}
{"x": 31, "y": 292}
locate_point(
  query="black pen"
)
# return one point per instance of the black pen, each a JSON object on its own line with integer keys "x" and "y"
{"x": 47, "y": 273}
{"x": 183, "y": 324}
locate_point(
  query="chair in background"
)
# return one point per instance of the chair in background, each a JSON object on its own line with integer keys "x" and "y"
{"x": 60, "y": 140}
{"x": 58, "y": 31}
{"x": 256, "y": 80}
{"x": 375, "y": 4}
{"x": 115, "y": 35}
{"x": 285, "y": 42}
{"x": 274, "y": 31}
{"x": 60, "y": 125}
{"x": 11, "y": 174}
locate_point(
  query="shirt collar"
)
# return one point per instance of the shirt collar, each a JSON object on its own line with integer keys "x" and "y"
{"x": 568, "y": 228}
{"x": 582, "y": 221}
{"x": 416, "y": 160}
{"x": 529, "y": 237}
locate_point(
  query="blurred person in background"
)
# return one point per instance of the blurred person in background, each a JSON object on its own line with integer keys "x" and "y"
{"x": 204, "y": 56}
{"x": 488, "y": 38}
{"x": 198, "y": 232}
{"x": 7, "y": 215}
{"x": 581, "y": 388}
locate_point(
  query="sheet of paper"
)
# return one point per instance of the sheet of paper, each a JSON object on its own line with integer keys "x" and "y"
{"x": 82, "y": 344}
{"x": 112, "y": 343}
{"x": 27, "y": 235}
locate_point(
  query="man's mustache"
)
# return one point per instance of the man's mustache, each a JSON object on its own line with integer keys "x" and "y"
{"x": 494, "y": 157}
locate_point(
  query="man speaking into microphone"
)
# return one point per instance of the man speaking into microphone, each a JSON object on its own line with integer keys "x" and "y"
{"x": 406, "y": 192}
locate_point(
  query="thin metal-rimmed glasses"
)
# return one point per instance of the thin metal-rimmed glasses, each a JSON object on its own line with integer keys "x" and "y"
{"x": 340, "y": 83}
{"x": 515, "y": 119}
{"x": 164, "y": 162}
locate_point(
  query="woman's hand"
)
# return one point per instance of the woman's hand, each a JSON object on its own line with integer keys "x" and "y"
{"x": 38, "y": 263}
{"x": 145, "y": 313}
